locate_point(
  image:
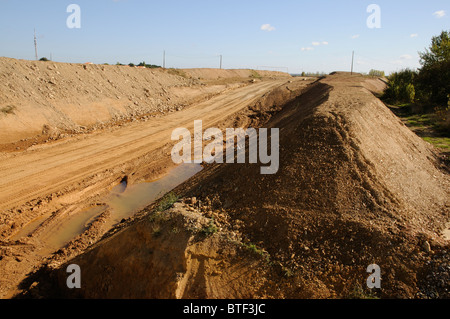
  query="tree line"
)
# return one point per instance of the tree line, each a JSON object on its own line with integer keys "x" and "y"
{"x": 429, "y": 85}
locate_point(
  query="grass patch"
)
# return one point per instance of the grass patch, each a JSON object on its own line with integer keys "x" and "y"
{"x": 359, "y": 293}
{"x": 178, "y": 72}
{"x": 167, "y": 202}
{"x": 439, "y": 142}
{"x": 426, "y": 125}
{"x": 9, "y": 109}
{"x": 255, "y": 75}
{"x": 422, "y": 121}
{"x": 288, "y": 273}
{"x": 257, "y": 251}
{"x": 210, "y": 229}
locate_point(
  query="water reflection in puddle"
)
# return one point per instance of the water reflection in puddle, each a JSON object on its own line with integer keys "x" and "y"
{"x": 123, "y": 201}
{"x": 30, "y": 227}
{"x": 136, "y": 197}
{"x": 72, "y": 226}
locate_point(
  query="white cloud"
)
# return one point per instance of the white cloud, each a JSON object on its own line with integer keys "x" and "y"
{"x": 405, "y": 57}
{"x": 414, "y": 35}
{"x": 267, "y": 27}
{"x": 307, "y": 49}
{"x": 361, "y": 62}
{"x": 356, "y": 36}
{"x": 439, "y": 14}
{"x": 317, "y": 43}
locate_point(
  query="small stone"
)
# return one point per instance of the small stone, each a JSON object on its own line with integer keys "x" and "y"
{"x": 177, "y": 205}
{"x": 426, "y": 246}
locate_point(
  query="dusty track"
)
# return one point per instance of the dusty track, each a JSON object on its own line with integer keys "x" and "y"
{"x": 54, "y": 181}
{"x": 355, "y": 187}
{"x": 41, "y": 172}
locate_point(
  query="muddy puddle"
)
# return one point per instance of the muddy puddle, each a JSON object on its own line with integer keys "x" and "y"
{"x": 123, "y": 201}
{"x": 71, "y": 227}
{"x": 30, "y": 227}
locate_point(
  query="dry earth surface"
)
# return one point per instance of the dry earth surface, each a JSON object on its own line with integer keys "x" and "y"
{"x": 355, "y": 187}
{"x": 51, "y": 176}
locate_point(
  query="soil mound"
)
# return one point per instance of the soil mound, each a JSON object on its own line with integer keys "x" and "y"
{"x": 355, "y": 187}
{"x": 48, "y": 100}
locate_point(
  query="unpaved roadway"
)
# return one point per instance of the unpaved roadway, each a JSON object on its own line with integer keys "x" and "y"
{"x": 41, "y": 172}
{"x": 47, "y": 184}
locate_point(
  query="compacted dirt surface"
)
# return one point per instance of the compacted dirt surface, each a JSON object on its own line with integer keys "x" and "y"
{"x": 355, "y": 187}
{"x": 51, "y": 177}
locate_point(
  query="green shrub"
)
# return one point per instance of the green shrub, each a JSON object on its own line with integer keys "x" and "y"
{"x": 434, "y": 76}
{"x": 167, "y": 202}
{"x": 410, "y": 92}
{"x": 255, "y": 75}
{"x": 359, "y": 293}
{"x": 149, "y": 66}
{"x": 178, "y": 72}
{"x": 210, "y": 229}
{"x": 401, "y": 87}
{"x": 257, "y": 251}
{"x": 376, "y": 73}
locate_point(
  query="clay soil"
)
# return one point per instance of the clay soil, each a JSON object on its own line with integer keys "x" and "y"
{"x": 355, "y": 187}
{"x": 61, "y": 155}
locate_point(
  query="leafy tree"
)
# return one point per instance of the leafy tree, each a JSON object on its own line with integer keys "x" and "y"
{"x": 401, "y": 86}
{"x": 44, "y": 59}
{"x": 150, "y": 66}
{"x": 434, "y": 77}
{"x": 376, "y": 73}
{"x": 410, "y": 92}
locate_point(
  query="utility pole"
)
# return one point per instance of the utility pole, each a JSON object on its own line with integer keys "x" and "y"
{"x": 164, "y": 59}
{"x": 221, "y": 62}
{"x": 35, "y": 45}
{"x": 353, "y": 58}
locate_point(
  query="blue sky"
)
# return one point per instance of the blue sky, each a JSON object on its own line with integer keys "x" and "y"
{"x": 298, "y": 35}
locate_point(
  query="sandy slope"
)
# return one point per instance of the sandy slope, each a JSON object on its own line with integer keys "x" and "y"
{"x": 57, "y": 180}
{"x": 62, "y": 99}
{"x": 355, "y": 187}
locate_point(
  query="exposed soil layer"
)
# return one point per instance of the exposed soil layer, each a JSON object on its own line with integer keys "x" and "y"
{"x": 355, "y": 187}
{"x": 47, "y": 101}
{"x": 46, "y": 185}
